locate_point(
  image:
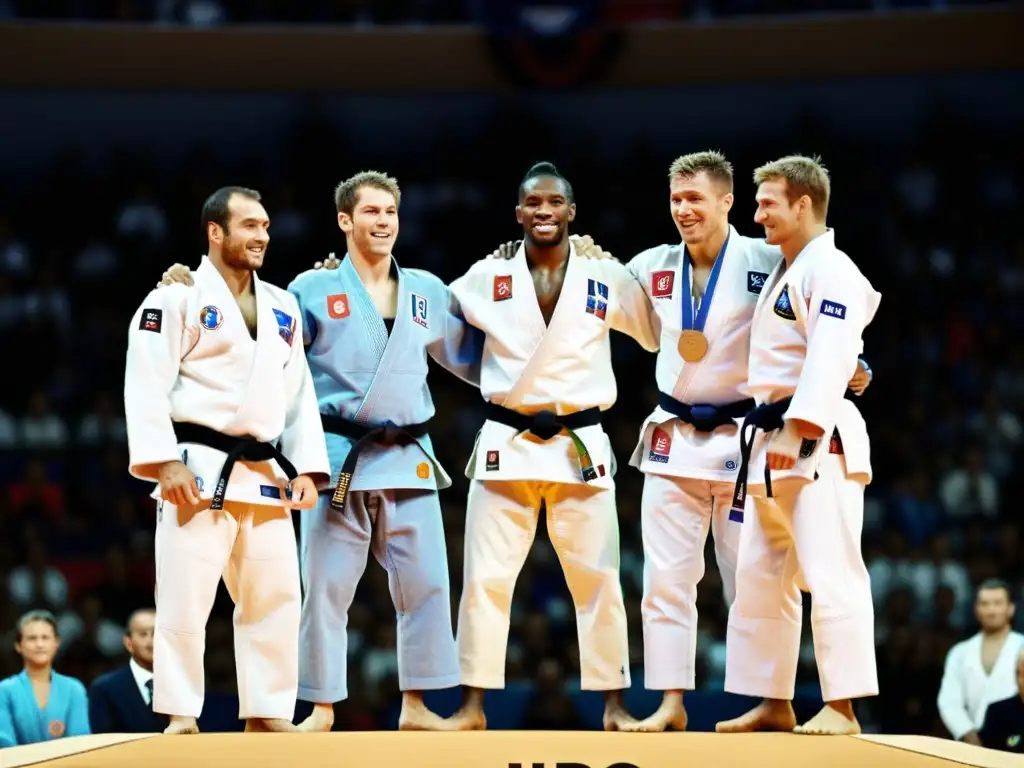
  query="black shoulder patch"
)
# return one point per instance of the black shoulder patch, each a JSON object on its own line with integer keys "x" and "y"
{"x": 152, "y": 320}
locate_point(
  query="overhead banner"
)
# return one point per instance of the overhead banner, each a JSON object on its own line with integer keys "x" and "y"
{"x": 550, "y": 44}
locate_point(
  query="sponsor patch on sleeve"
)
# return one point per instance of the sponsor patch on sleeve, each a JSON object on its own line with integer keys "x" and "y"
{"x": 151, "y": 320}
{"x": 833, "y": 309}
{"x": 755, "y": 281}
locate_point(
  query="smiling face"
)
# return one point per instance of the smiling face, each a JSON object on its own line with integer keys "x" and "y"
{"x": 38, "y": 644}
{"x": 545, "y": 211}
{"x": 700, "y": 206}
{"x": 372, "y": 227}
{"x": 244, "y": 239}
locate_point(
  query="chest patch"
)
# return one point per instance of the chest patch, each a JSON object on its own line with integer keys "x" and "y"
{"x": 783, "y": 307}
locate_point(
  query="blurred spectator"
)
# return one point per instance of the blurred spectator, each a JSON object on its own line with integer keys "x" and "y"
{"x": 982, "y": 669}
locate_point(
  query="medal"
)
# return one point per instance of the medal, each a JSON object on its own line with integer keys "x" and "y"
{"x": 693, "y": 344}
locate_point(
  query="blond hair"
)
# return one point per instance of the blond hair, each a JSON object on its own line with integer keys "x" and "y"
{"x": 803, "y": 176}
{"x": 710, "y": 162}
{"x": 347, "y": 192}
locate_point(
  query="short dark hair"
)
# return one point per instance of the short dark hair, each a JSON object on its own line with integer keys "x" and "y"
{"x": 131, "y": 618}
{"x": 996, "y": 584}
{"x": 37, "y": 615}
{"x": 215, "y": 209}
{"x": 545, "y": 169}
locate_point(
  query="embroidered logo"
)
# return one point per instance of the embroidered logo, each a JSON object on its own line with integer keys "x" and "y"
{"x": 211, "y": 318}
{"x": 56, "y": 728}
{"x": 756, "y": 281}
{"x": 285, "y": 326}
{"x": 661, "y": 446}
{"x": 337, "y": 306}
{"x": 662, "y": 283}
{"x": 730, "y": 465}
{"x": 597, "y": 298}
{"x": 199, "y": 483}
{"x": 423, "y": 470}
{"x": 270, "y": 492}
{"x": 419, "y": 310}
{"x": 492, "y": 461}
{"x": 151, "y": 320}
{"x": 832, "y": 309}
{"x": 782, "y": 307}
{"x": 502, "y": 287}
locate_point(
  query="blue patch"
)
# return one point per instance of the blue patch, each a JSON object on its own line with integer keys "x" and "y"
{"x": 270, "y": 491}
{"x": 735, "y": 515}
{"x": 211, "y": 318}
{"x": 832, "y": 309}
{"x": 419, "y": 310}
{"x": 783, "y": 308}
{"x": 730, "y": 465}
{"x": 756, "y": 281}
{"x": 199, "y": 483}
{"x": 285, "y": 326}
{"x": 597, "y": 298}
{"x": 657, "y": 457}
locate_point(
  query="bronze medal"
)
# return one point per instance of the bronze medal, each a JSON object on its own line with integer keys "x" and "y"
{"x": 693, "y": 345}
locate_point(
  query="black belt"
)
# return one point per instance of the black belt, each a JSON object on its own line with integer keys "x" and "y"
{"x": 705, "y": 418}
{"x": 236, "y": 448}
{"x": 768, "y": 417}
{"x": 362, "y": 435}
{"x": 547, "y": 424}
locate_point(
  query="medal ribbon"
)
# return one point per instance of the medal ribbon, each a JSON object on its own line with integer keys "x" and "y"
{"x": 689, "y": 321}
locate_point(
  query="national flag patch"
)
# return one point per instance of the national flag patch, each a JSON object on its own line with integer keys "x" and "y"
{"x": 337, "y": 306}
{"x": 285, "y": 326}
{"x": 151, "y": 320}
{"x": 419, "y": 310}
{"x": 597, "y": 298}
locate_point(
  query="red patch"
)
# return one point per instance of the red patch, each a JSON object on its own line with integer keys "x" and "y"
{"x": 661, "y": 443}
{"x": 502, "y": 287}
{"x": 662, "y": 283}
{"x": 337, "y": 306}
{"x": 56, "y": 729}
{"x": 835, "y": 444}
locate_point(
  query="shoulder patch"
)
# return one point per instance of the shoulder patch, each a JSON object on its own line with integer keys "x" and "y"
{"x": 756, "y": 281}
{"x": 151, "y": 320}
{"x": 833, "y": 309}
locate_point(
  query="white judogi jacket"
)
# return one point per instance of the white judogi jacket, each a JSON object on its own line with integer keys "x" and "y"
{"x": 721, "y": 377}
{"x": 565, "y": 367}
{"x": 806, "y": 336}
{"x": 191, "y": 358}
{"x": 966, "y": 690}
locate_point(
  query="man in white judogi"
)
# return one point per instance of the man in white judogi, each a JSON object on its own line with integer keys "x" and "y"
{"x": 221, "y": 413}
{"x": 980, "y": 670}
{"x": 807, "y": 472}
{"x": 546, "y": 376}
{"x": 703, "y": 291}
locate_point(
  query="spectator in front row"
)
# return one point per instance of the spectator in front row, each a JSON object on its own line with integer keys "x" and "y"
{"x": 979, "y": 670}
{"x": 39, "y": 704}
{"x": 121, "y": 701}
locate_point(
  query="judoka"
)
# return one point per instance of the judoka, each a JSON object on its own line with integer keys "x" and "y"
{"x": 39, "y": 704}
{"x": 979, "y": 670}
{"x": 546, "y": 377}
{"x": 703, "y": 292}
{"x": 369, "y": 328}
{"x": 221, "y": 413}
{"x": 805, "y": 458}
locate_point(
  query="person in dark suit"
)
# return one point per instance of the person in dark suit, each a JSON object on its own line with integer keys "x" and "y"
{"x": 122, "y": 701}
{"x": 1004, "y": 720}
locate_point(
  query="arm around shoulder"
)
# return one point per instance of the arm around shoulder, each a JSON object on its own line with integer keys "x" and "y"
{"x": 634, "y": 313}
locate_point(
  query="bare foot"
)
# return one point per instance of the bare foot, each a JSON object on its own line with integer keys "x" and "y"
{"x": 416, "y": 716}
{"x": 670, "y": 715}
{"x": 469, "y": 718}
{"x": 269, "y": 725}
{"x": 830, "y": 722}
{"x": 182, "y": 725}
{"x": 616, "y": 718}
{"x": 320, "y": 720}
{"x": 769, "y": 715}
